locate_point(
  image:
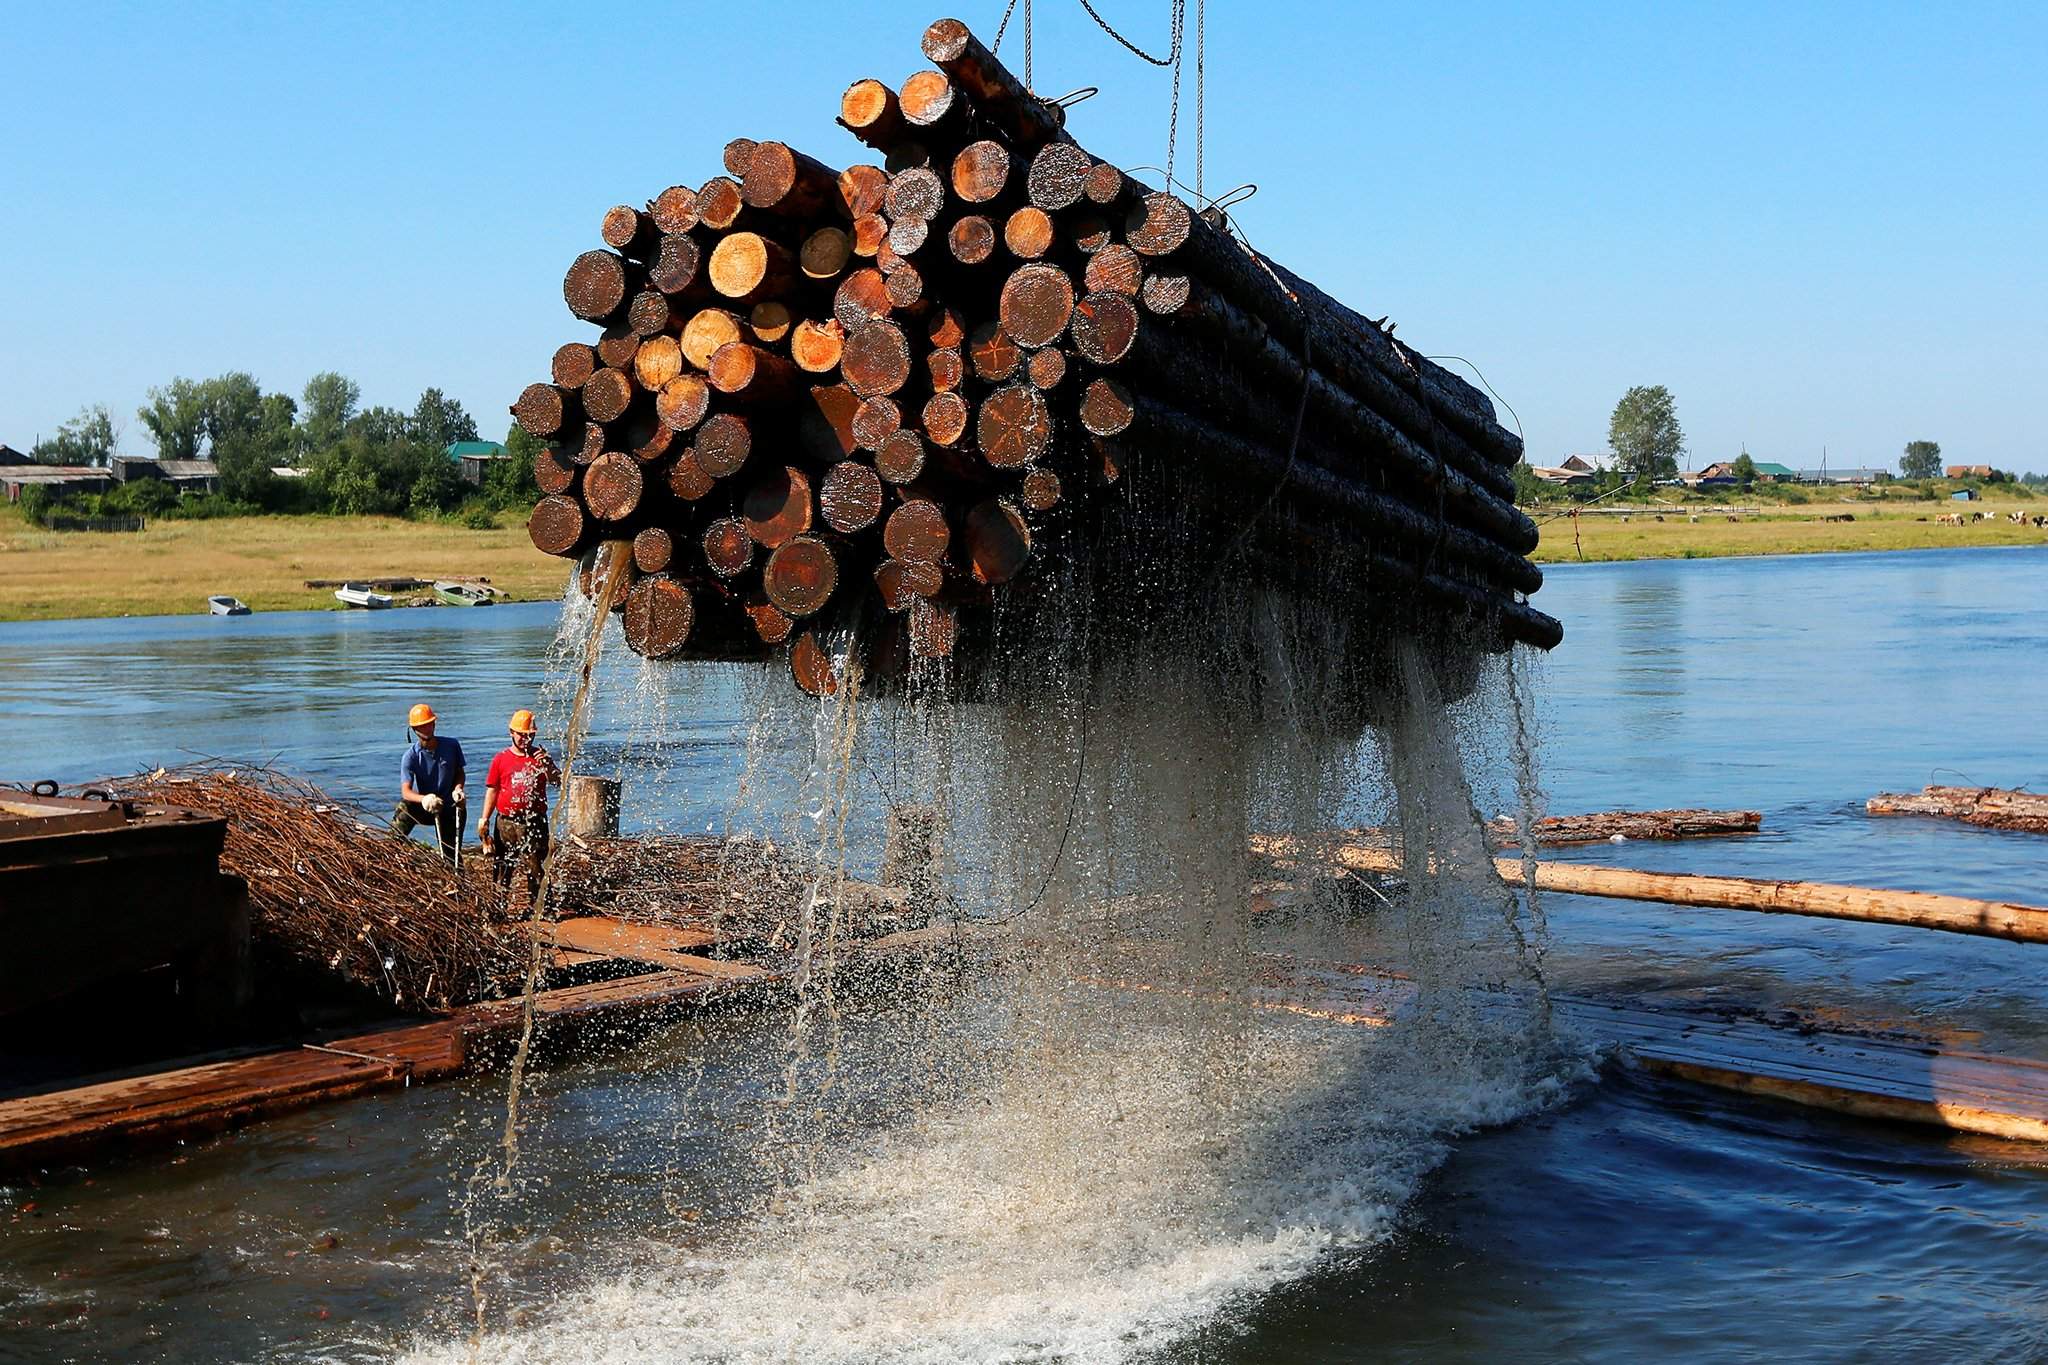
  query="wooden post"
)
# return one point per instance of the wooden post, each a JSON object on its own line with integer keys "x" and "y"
{"x": 590, "y": 806}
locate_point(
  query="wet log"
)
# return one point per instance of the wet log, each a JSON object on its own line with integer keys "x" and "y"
{"x": 900, "y": 458}
{"x": 945, "y": 369}
{"x": 1028, "y": 233}
{"x": 543, "y": 409}
{"x": 811, "y": 666}
{"x": 786, "y": 182}
{"x": 916, "y": 192}
{"x": 1165, "y": 295}
{"x": 678, "y": 266}
{"x": 687, "y": 479}
{"x": 971, "y": 239}
{"x": 553, "y": 472}
{"x": 1117, "y": 269}
{"x": 728, "y": 547}
{"x": 598, "y": 285}
{"x": 1013, "y": 427}
{"x": 612, "y": 486}
{"x": 876, "y": 359}
{"x": 1601, "y": 827}
{"x": 674, "y": 210}
{"x": 905, "y": 287}
{"x": 658, "y": 617}
{"x": 997, "y": 542}
{"x": 874, "y": 421}
{"x": 1048, "y": 367}
{"x": 719, "y": 203}
{"x": 1036, "y": 303}
{"x": 573, "y": 363}
{"x": 861, "y": 297}
{"x": 933, "y": 629}
{"x": 1990, "y": 807}
{"x": 650, "y": 312}
{"x": 607, "y": 394}
{"x": 659, "y": 360}
{"x": 556, "y": 526}
{"x": 863, "y": 189}
{"x": 1040, "y": 490}
{"x": 1107, "y": 408}
{"x": 767, "y": 619}
{"x": 944, "y": 418}
{"x": 618, "y": 345}
{"x": 931, "y": 104}
{"x": 980, "y": 171}
{"x": 653, "y": 549}
{"x": 1914, "y": 909}
{"x": 724, "y": 442}
{"x": 917, "y": 532}
{"x": 816, "y": 346}
{"x": 870, "y": 235}
{"x": 801, "y": 575}
{"x": 870, "y": 112}
{"x": 1058, "y": 176}
{"x": 1025, "y": 121}
{"x": 994, "y": 355}
{"x": 850, "y": 498}
{"x": 629, "y": 231}
{"x": 737, "y": 156}
{"x": 1104, "y": 327}
{"x": 777, "y": 507}
{"x": 1105, "y": 184}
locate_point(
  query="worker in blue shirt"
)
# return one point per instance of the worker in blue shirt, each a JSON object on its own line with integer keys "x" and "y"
{"x": 430, "y": 784}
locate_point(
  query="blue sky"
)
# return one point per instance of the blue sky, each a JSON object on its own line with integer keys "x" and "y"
{"x": 1818, "y": 224}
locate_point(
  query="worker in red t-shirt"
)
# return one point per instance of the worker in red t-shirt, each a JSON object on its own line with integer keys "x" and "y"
{"x": 516, "y": 789}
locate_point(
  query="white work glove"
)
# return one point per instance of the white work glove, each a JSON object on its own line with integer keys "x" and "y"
{"x": 431, "y": 803}
{"x": 457, "y": 796}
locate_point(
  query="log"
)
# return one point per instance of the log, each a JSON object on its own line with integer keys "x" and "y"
{"x": 1028, "y": 233}
{"x": 811, "y": 666}
{"x": 746, "y": 373}
{"x": 944, "y": 328}
{"x": 683, "y": 402}
{"x": 728, "y": 547}
{"x": 1040, "y": 489}
{"x": 1014, "y": 427}
{"x": 933, "y": 629}
{"x": 824, "y": 253}
{"x": 553, "y": 472}
{"x": 945, "y": 369}
{"x": 777, "y": 508}
{"x": 876, "y": 359}
{"x": 916, "y": 192}
{"x": 929, "y": 102}
{"x": 980, "y": 171}
{"x": 1036, "y": 302}
{"x": 746, "y": 266}
{"x": 1025, "y": 121}
{"x": 618, "y": 345}
{"x": 653, "y": 548}
{"x": 556, "y": 526}
{"x": 861, "y": 297}
{"x": 1990, "y": 807}
{"x": 917, "y": 531}
{"x": 905, "y": 287}
{"x": 659, "y": 360}
{"x": 835, "y": 406}
{"x": 864, "y": 189}
{"x": 598, "y": 285}
{"x": 993, "y": 354}
{"x": 900, "y": 458}
{"x": 1048, "y": 367}
{"x": 629, "y": 231}
{"x": 649, "y": 313}
{"x": 1605, "y": 826}
{"x": 723, "y": 444}
{"x": 1105, "y": 184}
{"x": 612, "y": 486}
{"x": 1090, "y": 233}
{"x": 971, "y": 239}
{"x": 816, "y": 346}
{"x": 658, "y": 617}
{"x": 678, "y": 265}
{"x": 945, "y": 418}
{"x": 997, "y": 541}
{"x": 874, "y": 421}
{"x": 590, "y": 806}
{"x": 737, "y": 156}
{"x": 767, "y": 619}
{"x": 870, "y": 235}
{"x": 607, "y": 394}
{"x": 1104, "y": 327}
{"x": 850, "y": 498}
{"x": 870, "y": 112}
{"x": 542, "y": 409}
{"x": 801, "y": 575}
{"x": 1058, "y": 176}
{"x": 1106, "y": 407}
{"x": 1914, "y": 909}
{"x": 786, "y": 182}
{"x": 706, "y": 331}
{"x": 687, "y": 479}
{"x": 1115, "y": 268}
{"x": 674, "y": 210}
{"x": 1165, "y": 295}
{"x": 573, "y": 363}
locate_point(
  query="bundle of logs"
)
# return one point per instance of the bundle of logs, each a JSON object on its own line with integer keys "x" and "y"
{"x": 852, "y": 405}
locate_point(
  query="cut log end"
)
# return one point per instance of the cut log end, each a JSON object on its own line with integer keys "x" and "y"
{"x": 1106, "y": 407}
{"x": 811, "y": 666}
{"x": 876, "y": 359}
{"x": 801, "y": 576}
{"x": 556, "y": 526}
{"x": 1158, "y": 225}
{"x": 917, "y": 532}
{"x": 980, "y": 171}
{"x": 1040, "y": 490}
{"x": 850, "y": 498}
{"x": 1014, "y": 427}
{"x": 658, "y": 617}
{"x": 683, "y": 402}
{"x": 1105, "y": 326}
{"x": 607, "y": 394}
{"x": 1036, "y": 303}
{"x": 777, "y": 508}
{"x": 541, "y": 409}
{"x": 723, "y": 444}
{"x": 573, "y": 363}
{"x": 595, "y": 287}
{"x": 653, "y": 549}
{"x": 612, "y": 486}
{"x": 900, "y": 459}
{"x": 1028, "y": 233}
{"x": 728, "y": 548}
{"x": 675, "y": 209}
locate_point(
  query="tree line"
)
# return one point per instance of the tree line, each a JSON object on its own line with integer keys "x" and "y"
{"x": 355, "y": 460}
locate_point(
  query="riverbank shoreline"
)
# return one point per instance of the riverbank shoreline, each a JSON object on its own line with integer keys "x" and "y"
{"x": 1707, "y": 531}
{"x": 172, "y": 567}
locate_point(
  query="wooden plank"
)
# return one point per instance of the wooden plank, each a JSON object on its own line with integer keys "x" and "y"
{"x": 617, "y": 938}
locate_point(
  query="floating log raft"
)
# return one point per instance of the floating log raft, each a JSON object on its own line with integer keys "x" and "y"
{"x": 847, "y": 413}
{"x": 1599, "y": 827}
{"x": 1991, "y": 807}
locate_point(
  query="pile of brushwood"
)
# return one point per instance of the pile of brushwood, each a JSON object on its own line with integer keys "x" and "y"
{"x": 847, "y": 413}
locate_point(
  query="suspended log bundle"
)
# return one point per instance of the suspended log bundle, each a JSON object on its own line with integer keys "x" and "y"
{"x": 1991, "y": 807}
{"x": 845, "y": 415}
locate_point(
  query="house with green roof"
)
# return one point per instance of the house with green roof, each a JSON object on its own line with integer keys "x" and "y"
{"x": 475, "y": 457}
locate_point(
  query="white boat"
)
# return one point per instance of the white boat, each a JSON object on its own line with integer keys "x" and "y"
{"x": 361, "y": 595}
{"x": 226, "y": 606}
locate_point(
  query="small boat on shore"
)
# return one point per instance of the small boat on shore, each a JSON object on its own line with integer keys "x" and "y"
{"x": 456, "y": 594}
{"x": 226, "y": 606}
{"x": 361, "y": 595}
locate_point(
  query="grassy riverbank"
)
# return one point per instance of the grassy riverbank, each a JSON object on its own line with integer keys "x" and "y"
{"x": 173, "y": 566}
{"x": 1709, "y": 532}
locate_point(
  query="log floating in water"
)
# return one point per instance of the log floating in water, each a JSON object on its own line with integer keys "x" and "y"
{"x": 1604, "y": 826}
{"x": 1991, "y": 807}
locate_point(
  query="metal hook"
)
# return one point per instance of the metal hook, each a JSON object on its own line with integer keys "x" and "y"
{"x": 1236, "y": 196}
{"x": 1074, "y": 97}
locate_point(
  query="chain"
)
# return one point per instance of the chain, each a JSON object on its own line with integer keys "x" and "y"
{"x": 1201, "y": 53}
{"x": 1134, "y": 49}
{"x": 1180, "y": 14}
{"x": 1028, "y": 45}
{"x": 1008, "y": 10}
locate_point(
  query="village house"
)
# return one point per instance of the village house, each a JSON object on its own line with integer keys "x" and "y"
{"x": 69, "y": 478}
{"x": 475, "y": 457}
{"x": 187, "y": 476}
{"x": 1967, "y": 471}
{"x": 10, "y": 456}
{"x": 1574, "y": 469}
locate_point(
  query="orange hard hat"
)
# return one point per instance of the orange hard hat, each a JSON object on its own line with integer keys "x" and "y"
{"x": 522, "y": 723}
{"x": 421, "y": 714}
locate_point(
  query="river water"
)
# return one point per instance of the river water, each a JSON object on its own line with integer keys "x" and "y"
{"x": 1626, "y": 1218}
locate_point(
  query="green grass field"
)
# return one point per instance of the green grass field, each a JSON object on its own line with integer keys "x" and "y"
{"x": 1708, "y": 532}
{"x": 173, "y": 566}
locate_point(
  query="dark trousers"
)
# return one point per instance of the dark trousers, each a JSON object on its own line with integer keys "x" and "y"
{"x": 407, "y": 816}
{"x": 522, "y": 846}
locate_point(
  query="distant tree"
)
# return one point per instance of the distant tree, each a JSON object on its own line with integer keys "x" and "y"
{"x": 230, "y": 405}
{"x": 1529, "y": 489}
{"x": 379, "y": 425}
{"x": 176, "y": 418}
{"x": 88, "y": 438}
{"x": 1922, "y": 460}
{"x": 439, "y": 421}
{"x": 1645, "y": 434}
{"x": 1744, "y": 469}
{"x": 329, "y": 402}
{"x": 509, "y": 482}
